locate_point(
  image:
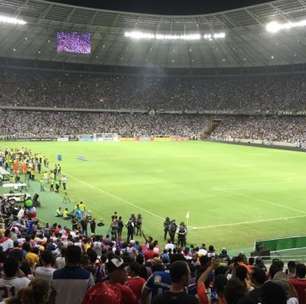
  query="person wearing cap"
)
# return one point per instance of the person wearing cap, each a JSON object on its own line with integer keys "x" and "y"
{"x": 114, "y": 290}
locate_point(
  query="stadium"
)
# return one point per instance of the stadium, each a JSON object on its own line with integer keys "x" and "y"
{"x": 170, "y": 144}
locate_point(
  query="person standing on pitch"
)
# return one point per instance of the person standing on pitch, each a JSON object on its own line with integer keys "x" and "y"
{"x": 166, "y": 227}
{"x": 130, "y": 229}
{"x": 181, "y": 235}
{"x": 139, "y": 224}
{"x": 172, "y": 230}
{"x": 93, "y": 226}
{"x": 64, "y": 182}
{"x": 120, "y": 227}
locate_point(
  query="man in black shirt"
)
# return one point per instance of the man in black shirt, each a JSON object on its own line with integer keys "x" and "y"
{"x": 172, "y": 230}
{"x": 166, "y": 227}
{"x": 93, "y": 226}
{"x": 180, "y": 275}
{"x": 181, "y": 235}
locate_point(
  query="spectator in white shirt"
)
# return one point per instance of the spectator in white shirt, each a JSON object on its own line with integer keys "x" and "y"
{"x": 12, "y": 281}
{"x": 45, "y": 272}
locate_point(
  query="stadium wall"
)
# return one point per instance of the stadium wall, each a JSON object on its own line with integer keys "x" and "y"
{"x": 212, "y": 114}
{"x": 150, "y": 71}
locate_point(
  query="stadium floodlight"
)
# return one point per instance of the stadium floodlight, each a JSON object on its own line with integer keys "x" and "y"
{"x": 275, "y": 27}
{"x": 219, "y": 35}
{"x": 178, "y": 37}
{"x": 12, "y": 20}
{"x": 214, "y": 36}
{"x": 137, "y": 35}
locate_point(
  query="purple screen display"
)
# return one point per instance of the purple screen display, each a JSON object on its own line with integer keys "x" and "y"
{"x": 74, "y": 42}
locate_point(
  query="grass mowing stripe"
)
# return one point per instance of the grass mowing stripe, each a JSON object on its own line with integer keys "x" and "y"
{"x": 115, "y": 197}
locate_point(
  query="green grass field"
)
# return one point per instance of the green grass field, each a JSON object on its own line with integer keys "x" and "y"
{"x": 235, "y": 194}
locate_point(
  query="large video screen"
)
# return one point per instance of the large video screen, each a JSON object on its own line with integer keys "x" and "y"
{"x": 74, "y": 42}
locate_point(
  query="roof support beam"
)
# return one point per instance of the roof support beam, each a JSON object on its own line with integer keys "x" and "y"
{"x": 253, "y": 16}
{"x": 44, "y": 14}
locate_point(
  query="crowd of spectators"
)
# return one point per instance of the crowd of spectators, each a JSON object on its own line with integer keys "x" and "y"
{"x": 43, "y": 264}
{"x": 59, "y": 89}
{"x": 23, "y": 124}
{"x": 41, "y": 88}
{"x": 280, "y": 129}
{"x": 49, "y": 124}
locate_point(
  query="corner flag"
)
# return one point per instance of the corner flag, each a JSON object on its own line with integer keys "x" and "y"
{"x": 187, "y": 218}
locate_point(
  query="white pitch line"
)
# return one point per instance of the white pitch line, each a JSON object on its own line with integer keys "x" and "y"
{"x": 116, "y": 197}
{"x": 248, "y": 222}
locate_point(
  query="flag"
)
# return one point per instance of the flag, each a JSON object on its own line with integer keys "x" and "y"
{"x": 187, "y": 215}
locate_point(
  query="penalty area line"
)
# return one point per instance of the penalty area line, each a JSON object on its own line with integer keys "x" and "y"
{"x": 114, "y": 196}
{"x": 248, "y": 222}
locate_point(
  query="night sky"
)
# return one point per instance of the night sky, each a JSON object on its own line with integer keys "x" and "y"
{"x": 168, "y": 7}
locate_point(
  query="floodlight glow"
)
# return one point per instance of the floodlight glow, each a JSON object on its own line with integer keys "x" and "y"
{"x": 11, "y": 20}
{"x": 219, "y": 35}
{"x": 178, "y": 37}
{"x": 143, "y": 35}
{"x": 275, "y": 27}
{"x": 137, "y": 35}
{"x": 214, "y": 36}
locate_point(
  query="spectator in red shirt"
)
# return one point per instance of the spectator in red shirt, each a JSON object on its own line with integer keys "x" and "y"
{"x": 135, "y": 281}
{"x": 299, "y": 282}
{"x": 114, "y": 290}
{"x": 149, "y": 254}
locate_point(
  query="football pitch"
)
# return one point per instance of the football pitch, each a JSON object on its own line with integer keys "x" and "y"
{"x": 234, "y": 194}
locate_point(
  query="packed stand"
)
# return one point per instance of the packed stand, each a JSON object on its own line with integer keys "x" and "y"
{"x": 42, "y": 88}
{"x": 35, "y": 124}
{"x": 280, "y": 129}
{"x": 31, "y": 124}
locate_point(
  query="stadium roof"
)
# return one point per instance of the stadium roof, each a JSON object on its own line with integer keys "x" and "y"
{"x": 247, "y": 43}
